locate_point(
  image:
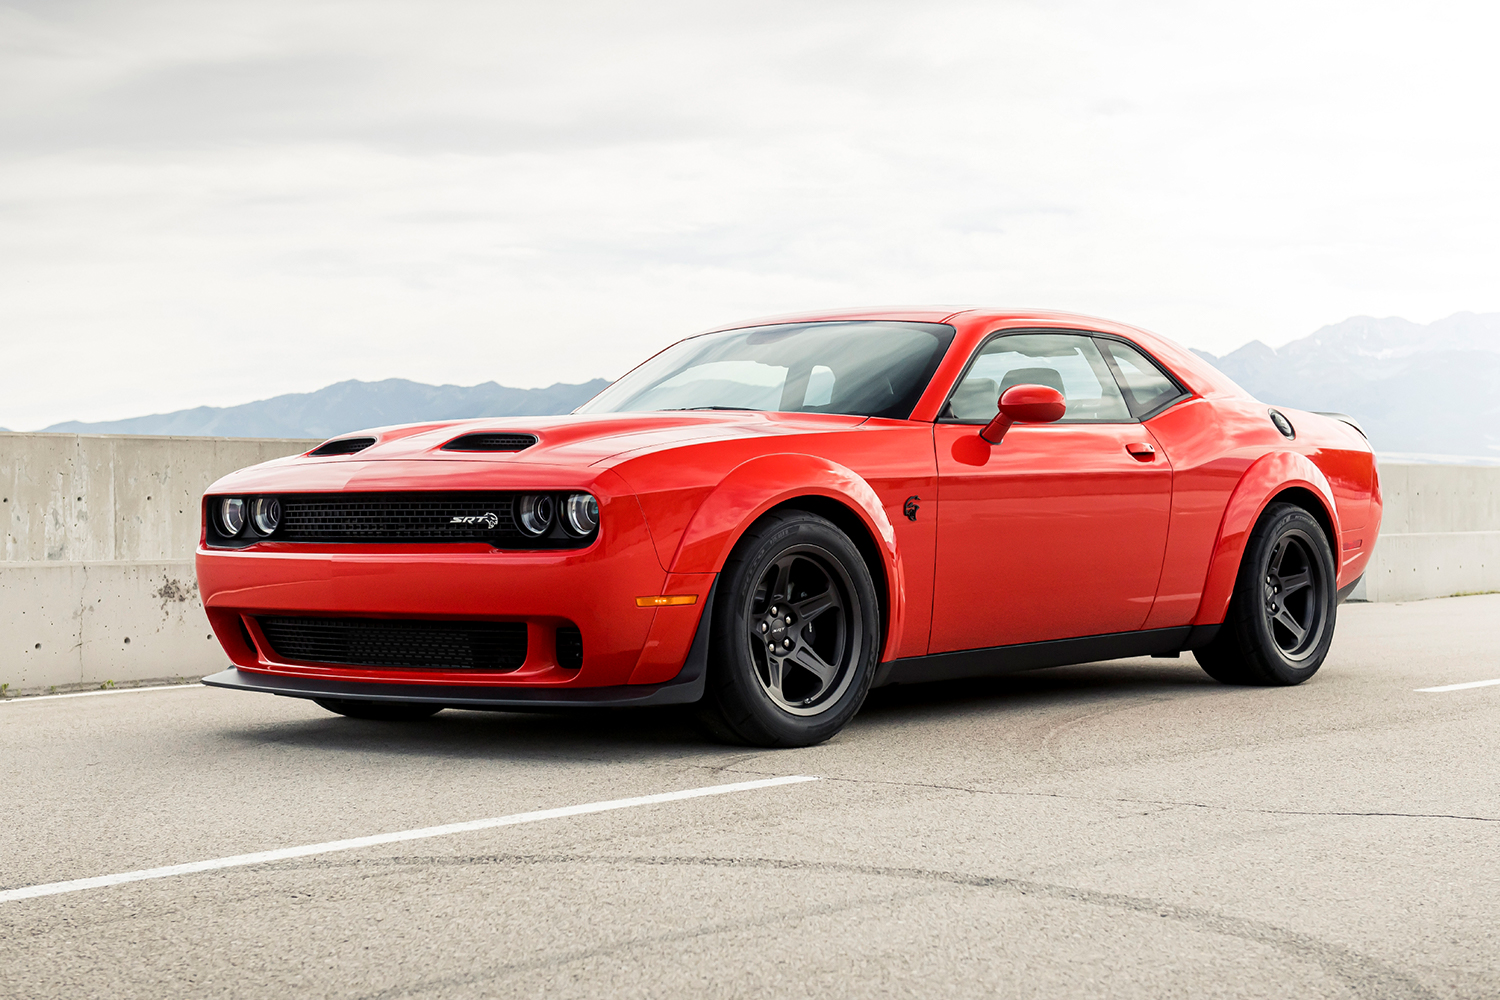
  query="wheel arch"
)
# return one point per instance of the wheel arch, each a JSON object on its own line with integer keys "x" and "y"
{"x": 1285, "y": 477}
{"x": 799, "y": 482}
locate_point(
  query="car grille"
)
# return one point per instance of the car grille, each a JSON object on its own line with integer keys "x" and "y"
{"x": 398, "y": 517}
{"x": 380, "y": 642}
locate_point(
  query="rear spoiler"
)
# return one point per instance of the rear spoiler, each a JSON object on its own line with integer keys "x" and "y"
{"x": 1345, "y": 418}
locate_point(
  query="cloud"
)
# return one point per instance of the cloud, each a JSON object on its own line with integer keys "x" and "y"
{"x": 207, "y": 203}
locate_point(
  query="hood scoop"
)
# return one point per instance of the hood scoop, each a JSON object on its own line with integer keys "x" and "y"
{"x": 491, "y": 442}
{"x": 343, "y": 446}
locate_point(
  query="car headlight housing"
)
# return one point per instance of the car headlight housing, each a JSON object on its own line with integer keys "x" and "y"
{"x": 232, "y": 516}
{"x": 535, "y": 513}
{"x": 265, "y": 514}
{"x": 581, "y": 514}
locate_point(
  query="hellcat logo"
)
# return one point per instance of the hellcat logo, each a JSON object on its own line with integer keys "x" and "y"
{"x": 488, "y": 520}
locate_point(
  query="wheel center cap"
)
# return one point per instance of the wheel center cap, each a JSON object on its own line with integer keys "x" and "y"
{"x": 778, "y": 631}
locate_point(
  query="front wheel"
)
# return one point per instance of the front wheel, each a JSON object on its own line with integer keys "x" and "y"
{"x": 1280, "y": 622}
{"x": 383, "y": 711}
{"x": 795, "y": 635}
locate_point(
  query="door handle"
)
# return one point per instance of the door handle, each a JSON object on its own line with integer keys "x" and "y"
{"x": 1141, "y": 450}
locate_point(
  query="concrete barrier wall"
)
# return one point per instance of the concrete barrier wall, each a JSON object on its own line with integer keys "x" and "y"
{"x": 1440, "y": 534}
{"x": 97, "y": 584}
{"x": 96, "y": 571}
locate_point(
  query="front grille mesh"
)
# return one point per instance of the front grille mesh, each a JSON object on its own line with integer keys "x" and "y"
{"x": 398, "y": 517}
{"x": 380, "y": 642}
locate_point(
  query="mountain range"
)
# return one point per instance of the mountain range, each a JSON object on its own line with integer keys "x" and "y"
{"x": 1417, "y": 389}
{"x": 1429, "y": 389}
{"x": 347, "y": 406}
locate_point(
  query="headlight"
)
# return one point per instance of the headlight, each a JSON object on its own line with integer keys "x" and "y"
{"x": 536, "y": 511}
{"x": 581, "y": 513}
{"x": 265, "y": 512}
{"x": 231, "y": 516}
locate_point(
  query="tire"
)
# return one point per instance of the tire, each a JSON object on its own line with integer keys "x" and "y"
{"x": 1281, "y": 617}
{"x": 779, "y": 683}
{"x": 383, "y": 711}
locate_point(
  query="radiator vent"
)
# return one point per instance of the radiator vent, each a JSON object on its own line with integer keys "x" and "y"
{"x": 409, "y": 643}
{"x": 491, "y": 442}
{"x": 343, "y": 446}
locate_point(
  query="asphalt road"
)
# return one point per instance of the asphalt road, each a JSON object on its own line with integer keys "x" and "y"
{"x": 1121, "y": 830}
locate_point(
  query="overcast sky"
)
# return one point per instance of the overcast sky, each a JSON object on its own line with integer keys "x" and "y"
{"x": 209, "y": 203}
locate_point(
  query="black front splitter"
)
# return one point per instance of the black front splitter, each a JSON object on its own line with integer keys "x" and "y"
{"x": 677, "y": 692}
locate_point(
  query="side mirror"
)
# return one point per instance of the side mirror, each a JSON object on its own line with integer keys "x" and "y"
{"x": 1025, "y": 404}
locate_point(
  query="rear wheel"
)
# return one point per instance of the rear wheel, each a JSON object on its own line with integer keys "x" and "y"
{"x": 384, "y": 711}
{"x": 1281, "y": 617}
{"x": 796, "y": 635}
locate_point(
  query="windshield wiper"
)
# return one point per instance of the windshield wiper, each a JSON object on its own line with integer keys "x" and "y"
{"x": 680, "y": 409}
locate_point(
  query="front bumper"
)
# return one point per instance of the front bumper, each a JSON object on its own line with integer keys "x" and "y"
{"x": 593, "y": 588}
{"x": 685, "y": 688}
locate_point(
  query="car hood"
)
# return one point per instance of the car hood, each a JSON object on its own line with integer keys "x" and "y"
{"x": 580, "y": 439}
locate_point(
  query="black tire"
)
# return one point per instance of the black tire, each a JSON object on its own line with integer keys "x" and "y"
{"x": 1281, "y": 617}
{"x": 383, "y": 711}
{"x": 799, "y": 566}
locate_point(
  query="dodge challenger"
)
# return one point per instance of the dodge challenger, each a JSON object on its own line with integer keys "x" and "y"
{"x": 768, "y": 520}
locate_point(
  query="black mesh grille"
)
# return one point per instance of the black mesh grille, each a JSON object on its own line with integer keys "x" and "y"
{"x": 569, "y": 647}
{"x": 379, "y": 642}
{"x": 347, "y": 446}
{"x": 398, "y": 517}
{"x": 491, "y": 442}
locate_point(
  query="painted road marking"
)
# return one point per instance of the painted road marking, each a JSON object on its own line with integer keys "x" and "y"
{"x": 1460, "y": 687}
{"x": 282, "y": 854}
{"x": 89, "y": 694}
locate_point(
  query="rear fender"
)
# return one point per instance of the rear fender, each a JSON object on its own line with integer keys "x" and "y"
{"x": 768, "y": 481}
{"x": 1267, "y": 476}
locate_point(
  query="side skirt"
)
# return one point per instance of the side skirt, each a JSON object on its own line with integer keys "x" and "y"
{"x": 994, "y": 661}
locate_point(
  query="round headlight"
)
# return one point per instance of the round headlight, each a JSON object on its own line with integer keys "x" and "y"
{"x": 231, "y": 516}
{"x": 581, "y": 513}
{"x": 536, "y": 512}
{"x": 265, "y": 512}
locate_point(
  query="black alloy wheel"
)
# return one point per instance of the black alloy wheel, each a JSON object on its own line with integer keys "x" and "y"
{"x": 796, "y": 635}
{"x": 1281, "y": 618}
{"x": 382, "y": 711}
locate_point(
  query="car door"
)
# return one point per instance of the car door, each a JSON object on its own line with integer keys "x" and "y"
{"x": 1058, "y": 531}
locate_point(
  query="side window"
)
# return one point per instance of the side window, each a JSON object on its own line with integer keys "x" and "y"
{"x": 1149, "y": 389}
{"x": 1068, "y": 362}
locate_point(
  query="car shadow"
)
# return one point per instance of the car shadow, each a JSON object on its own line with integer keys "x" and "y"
{"x": 645, "y": 735}
{"x": 1032, "y": 689}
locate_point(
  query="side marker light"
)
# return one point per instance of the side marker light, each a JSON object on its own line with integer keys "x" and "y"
{"x": 666, "y": 601}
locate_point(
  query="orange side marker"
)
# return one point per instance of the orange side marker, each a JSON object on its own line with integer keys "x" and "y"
{"x": 666, "y": 601}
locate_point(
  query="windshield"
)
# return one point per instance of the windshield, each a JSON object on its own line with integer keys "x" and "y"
{"x": 869, "y": 368}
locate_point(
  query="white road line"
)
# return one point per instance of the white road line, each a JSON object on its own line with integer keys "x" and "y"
{"x": 90, "y": 694}
{"x": 282, "y": 854}
{"x": 1460, "y": 687}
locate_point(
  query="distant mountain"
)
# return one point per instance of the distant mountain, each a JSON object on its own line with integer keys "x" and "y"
{"x": 348, "y": 406}
{"x": 1431, "y": 389}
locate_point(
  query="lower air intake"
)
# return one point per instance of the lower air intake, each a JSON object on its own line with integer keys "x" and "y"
{"x": 569, "y": 647}
{"x": 415, "y": 644}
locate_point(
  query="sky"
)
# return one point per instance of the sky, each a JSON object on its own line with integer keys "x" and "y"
{"x": 211, "y": 203}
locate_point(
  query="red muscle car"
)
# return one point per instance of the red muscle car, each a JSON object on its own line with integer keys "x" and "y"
{"x": 768, "y": 520}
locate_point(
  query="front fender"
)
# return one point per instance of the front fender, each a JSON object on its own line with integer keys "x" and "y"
{"x": 767, "y": 481}
{"x": 1268, "y": 476}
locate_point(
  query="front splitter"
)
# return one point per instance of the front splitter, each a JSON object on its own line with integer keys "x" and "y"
{"x": 680, "y": 691}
